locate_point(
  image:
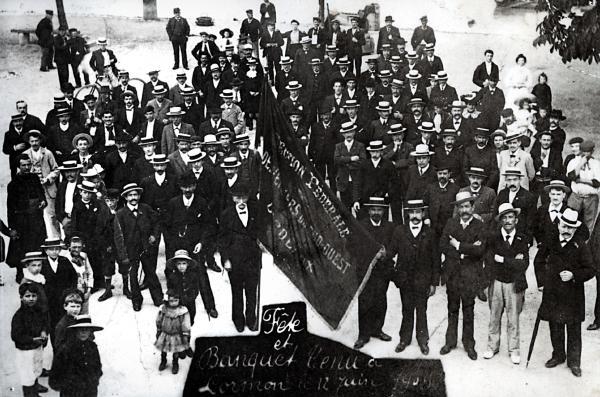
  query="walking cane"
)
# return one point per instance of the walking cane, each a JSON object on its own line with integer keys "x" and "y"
{"x": 533, "y": 336}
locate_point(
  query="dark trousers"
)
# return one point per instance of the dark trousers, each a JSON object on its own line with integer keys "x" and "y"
{"x": 396, "y": 208}
{"x": 356, "y": 61}
{"x": 97, "y": 260}
{"x": 154, "y": 286}
{"x": 76, "y": 75}
{"x": 597, "y": 305}
{"x": 346, "y": 196}
{"x": 177, "y": 46}
{"x": 272, "y": 67}
{"x": 372, "y": 304}
{"x": 78, "y": 392}
{"x": 557, "y": 336}
{"x": 455, "y": 298}
{"x": 244, "y": 283}
{"x": 47, "y": 53}
{"x": 63, "y": 74}
{"x": 327, "y": 170}
{"x": 191, "y": 306}
{"x": 414, "y": 300}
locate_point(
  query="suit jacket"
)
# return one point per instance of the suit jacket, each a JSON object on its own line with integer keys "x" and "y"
{"x": 137, "y": 230}
{"x": 483, "y": 158}
{"x": 235, "y": 116}
{"x": 161, "y": 110}
{"x": 453, "y": 159}
{"x": 175, "y": 94}
{"x": 564, "y": 302}
{"x": 177, "y": 164}
{"x": 252, "y": 29}
{"x": 157, "y": 196}
{"x": 443, "y": 97}
{"x": 135, "y": 126}
{"x": 401, "y": 160}
{"x": 118, "y": 91}
{"x": 347, "y": 169}
{"x": 420, "y": 34}
{"x": 43, "y": 31}
{"x": 200, "y": 77}
{"x": 157, "y": 131}
{"x": 61, "y": 50}
{"x": 281, "y": 80}
{"x": 384, "y": 235}
{"x": 185, "y": 227}
{"x": 484, "y": 205}
{"x": 250, "y": 167}
{"x": 512, "y": 270}
{"x": 11, "y": 139}
{"x": 480, "y": 74}
{"x": 97, "y": 61}
{"x": 212, "y": 50}
{"x": 61, "y": 141}
{"x": 431, "y": 67}
{"x": 206, "y": 127}
{"x": 463, "y": 267}
{"x": 378, "y": 131}
{"x": 417, "y": 184}
{"x": 194, "y": 115}
{"x": 167, "y": 141}
{"x": 119, "y": 173}
{"x": 267, "y": 8}
{"x": 58, "y": 281}
{"x": 92, "y": 224}
{"x": 340, "y": 41}
{"x": 465, "y": 131}
{"x": 238, "y": 243}
{"x": 355, "y": 48}
{"x": 178, "y": 29}
{"x": 525, "y": 201}
{"x": 301, "y": 60}
{"x": 376, "y": 181}
{"x": 521, "y": 160}
{"x": 491, "y": 105}
{"x": 440, "y": 204}
{"x": 543, "y": 226}
{"x": 554, "y": 170}
{"x": 301, "y": 104}
{"x": 315, "y": 88}
{"x": 211, "y": 93}
{"x": 392, "y": 37}
{"x": 418, "y": 264}
{"x": 147, "y": 92}
{"x": 59, "y": 204}
{"x": 322, "y": 142}
{"x": 271, "y": 45}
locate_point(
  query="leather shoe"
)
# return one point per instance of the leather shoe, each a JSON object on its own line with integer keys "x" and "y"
{"x": 424, "y": 348}
{"x": 137, "y": 307}
{"x": 401, "y": 346}
{"x": 214, "y": 267}
{"x": 189, "y": 352}
{"x": 143, "y": 285}
{"x": 553, "y": 362}
{"x": 593, "y": 326}
{"x": 106, "y": 295}
{"x": 94, "y": 290}
{"x": 45, "y": 373}
{"x": 382, "y": 336}
{"x": 446, "y": 349}
{"x": 576, "y": 371}
{"x": 481, "y": 296}
{"x": 253, "y": 327}
{"x": 213, "y": 313}
{"x": 175, "y": 368}
{"x": 43, "y": 389}
{"x": 472, "y": 354}
{"x": 239, "y": 328}
{"x": 360, "y": 343}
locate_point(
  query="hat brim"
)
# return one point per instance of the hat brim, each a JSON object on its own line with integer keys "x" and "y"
{"x": 576, "y": 224}
{"x": 457, "y": 202}
{"x": 86, "y": 326}
{"x": 412, "y": 207}
{"x": 517, "y": 211}
{"x": 126, "y": 192}
{"x": 467, "y": 173}
{"x": 376, "y": 205}
{"x": 190, "y": 260}
{"x": 181, "y": 113}
{"x": 380, "y": 109}
{"x": 77, "y": 167}
{"x": 165, "y": 161}
{"x": 61, "y": 245}
{"x": 237, "y": 164}
{"x": 564, "y": 188}
{"x": 33, "y": 258}
{"x": 418, "y": 154}
{"x": 370, "y": 149}
{"x": 85, "y": 136}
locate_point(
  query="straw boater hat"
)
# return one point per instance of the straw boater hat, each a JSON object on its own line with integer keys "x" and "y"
{"x": 230, "y": 162}
{"x": 331, "y": 48}
{"x": 82, "y": 135}
{"x": 195, "y": 155}
{"x": 315, "y": 61}
{"x": 476, "y": 171}
{"x": 372, "y": 58}
{"x": 485, "y": 132}
{"x": 414, "y": 205}
{"x": 413, "y": 75}
{"x": 224, "y": 131}
{"x": 183, "y": 137}
{"x": 416, "y": 101}
{"x": 427, "y": 127}
{"x": 343, "y": 61}
{"x": 383, "y": 106}
{"x": 175, "y": 111}
{"x": 397, "y": 83}
{"x": 159, "y": 90}
{"x": 496, "y": 133}
{"x": 63, "y": 112}
{"x": 376, "y": 202}
{"x": 131, "y": 187}
{"x": 462, "y": 197}
{"x": 211, "y": 139}
{"x": 512, "y": 136}
{"x": 70, "y": 165}
{"x": 53, "y": 243}
{"x": 84, "y": 321}
{"x": 448, "y": 132}
{"x": 87, "y": 186}
{"x": 384, "y": 73}
{"x": 429, "y": 47}
{"x": 421, "y": 150}
{"x": 226, "y": 93}
{"x": 241, "y": 138}
{"x": 188, "y": 92}
{"x": 441, "y": 75}
{"x": 396, "y": 129}
{"x": 33, "y": 256}
{"x": 101, "y": 40}
{"x": 159, "y": 159}
{"x": 506, "y": 208}
{"x": 375, "y": 146}
{"x": 557, "y": 184}
{"x": 293, "y": 85}
{"x": 147, "y": 141}
{"x": 305, "y": 40}
{"x": 512, "y": 171}
{"x": 351, "y": 103}
{"x": 286, "y": 61}
{"x": 570, "y": 217}
{"x": 348, "y": 127}
{"x": 411, "y": 55}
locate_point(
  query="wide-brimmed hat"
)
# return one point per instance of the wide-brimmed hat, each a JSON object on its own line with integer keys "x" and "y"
{"x": 188, "y": 91}
{"x": 476, "y": 171}
{"x": 462, "y": 197}
{"x": 557, "y": 113}
{"x": 159, "y": 90}
{"x": 53, "y": 243}
{"x": 429, "y": 47}
{"x": 512, "y": 171}
{"x": 343, "y": 61}
{"x": 417, "y": 204}
{"x": 570, "y": 217}
{"x": 183, "y": 137}
{"x": 82, "y": 135}
{"x": 305, "y": 40}
{"x": 195, "y": 155}
{"x": 411, "y": 55}
{"x": 230, "y": 162}
{"x": 131, "y": 187}
{"x": 397, "y": 83}
{"x": 383, "y": 106}
{"x": 226, "y": 30}
{"x": 384, "y": 73}
{"x": 506, "y": 208}
{"x": 498, "y": 132}
{"x": 376, "y": 202}
{"x": 441, "y": 75}
{"x": 416, "y": 101}
{"x": 396, "y": 129}
{"x": 159, "y": 159}
{"x": 414, "y": 75}
{"x": 33, "y": 256}
{"x": 448, "y": 132}
{"x": 293, "y": 85}
{"x": 557, "y": 184}
{"x": 70, "y": 165}
{"x": 421, "y": 150}
{"x": 88, "y": 186}
{"x": 427, "y": 127}
{"x": 175, "y": 111}
{"x": 84, "y": 321}
{"x": 389, "y": 18}
{"x": 375, "y": 146}
{"x": 181, "y": 255}
{"x": 348, "y": 127}
{"x": 226, "y": 93}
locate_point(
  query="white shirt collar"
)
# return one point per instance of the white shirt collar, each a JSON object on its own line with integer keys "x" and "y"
{"x": 131, "y": 208}
{"x": 375, "y": 224}
{"x": 467, "y": 223}
{"x": 188, "y": 201}
{"x": 160, "y": 178}
{"x": 511, "y": 234}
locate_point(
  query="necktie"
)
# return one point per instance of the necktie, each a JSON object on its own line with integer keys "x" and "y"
{"x": 508, "y": 238}
{"x": 563, "y": 242}
{"x": 135, "y": 212}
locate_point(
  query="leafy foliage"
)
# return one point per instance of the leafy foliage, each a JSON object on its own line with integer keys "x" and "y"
{"x": 571, "y": 28}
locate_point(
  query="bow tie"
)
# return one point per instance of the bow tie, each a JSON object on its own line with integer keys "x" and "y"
{"x": 243, "y": 212}
{"x": 563, "y": 242}
{"x": 135, "y": 212}
{"x": 414, "y": 227}
{"x": 556, "y": 211}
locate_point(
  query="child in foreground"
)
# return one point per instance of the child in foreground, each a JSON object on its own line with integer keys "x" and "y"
{"x": 172, "y": 330}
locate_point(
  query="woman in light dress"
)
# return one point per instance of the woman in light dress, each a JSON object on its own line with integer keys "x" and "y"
{"x": 518, "y": 82}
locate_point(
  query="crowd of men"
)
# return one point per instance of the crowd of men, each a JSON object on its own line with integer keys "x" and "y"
{"x": 457, "y": 189}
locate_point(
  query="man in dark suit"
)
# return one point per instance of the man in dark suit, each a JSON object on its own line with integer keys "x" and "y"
{"x": 348, "y": 158}
{"x": 241, "y": 257}
{"x": 519, "y": 198}
{"x": 318, "y": 36}
{"x": 315, "y": 87}
{"x": 491, "y": 103}
{"x": 336, "y": 37}
{"x": 178, "y": 30}
{"x": 443, "y": 93}
{"x": 187, "y": 223}
{"x": 62, "y": 56}
{"x": 355, "y": 37}
{"x": 285, "y": 75}
{"x": 416, "y": 274}
{"x": 414, "y": 119}
{"x": 421, "y": 174}
{"x": 30, "y": 122}
{"x": 548, "y": 164}
{"x": 378, "y": 129}
{"x": 97, "y": 61}
{"x": 43, "y": 31}
{"x": 486, "y": 70}
{"x": 213, "y": 87}
{"x": 104, "y": 140}
{"x": 506, "y": 259}
{"x": 450, "y": 155}
{"x": 205, "y": 47}
{"x": 267, "y": 13}
{"x": 214, "y": 123}
{"x": 119, "y": 91}
{"x": 14, "y": 144}
{"x": 130, "y": 117}
{"x": 323, "y": 138}
{"x": 67, "y": 193}
{"x": 422, "y": 35}
{"x": 249, "y": 159}
{"x": 150, "y": 86}
{"x": 194, "y": 112}
{"x": 431, "y": 63}
{"x": 271, "y": 42}
{"x": 151, "y": 128}
{"x": 251, "y": 30}
{"x": 303, "y": 56}
{"x": 60, "y": 136}
{"x": 484, "y": 202}
{"x": 482, "y": 155}
{"x": 398, "y": 152}
{"x": 463, "y": 243}
{"x": 438, "y": 197}
{"x": 465, "y": 128}
{"x": 414, "y": 88}
{"x": 372, "y": 301}
{"x": 568, "y": 264}
{"x": 377, "y": 174}
{"x": 389, "y": 34}
{"x": 120, "y": 164}
{"x": 140, "y": 226}
{"x": 296, "y": 100}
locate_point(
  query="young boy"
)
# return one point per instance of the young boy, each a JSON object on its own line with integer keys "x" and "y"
{"x": 29, "y": 331}
{"x": 81, "y": 264}
{"x": 73, "y": 299}
{"x": 77, "y": 367}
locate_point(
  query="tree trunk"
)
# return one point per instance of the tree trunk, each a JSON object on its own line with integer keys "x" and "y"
{"x": 150, "y": 11}
{"x": 62, "y": 17}
{"x": 322, "y": 10}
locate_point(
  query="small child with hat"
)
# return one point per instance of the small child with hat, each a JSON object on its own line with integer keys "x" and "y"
{"x": 173, "y": 328}
{"x": 77, "y": 368}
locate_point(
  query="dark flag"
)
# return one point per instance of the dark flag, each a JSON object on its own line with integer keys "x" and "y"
{"x": 313, "y": 238}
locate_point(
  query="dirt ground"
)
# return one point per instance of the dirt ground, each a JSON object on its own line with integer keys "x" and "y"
{"x": 129, "y": 359}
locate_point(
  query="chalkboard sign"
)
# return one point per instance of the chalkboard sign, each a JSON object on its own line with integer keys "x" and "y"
{"x": 286, "y": 360}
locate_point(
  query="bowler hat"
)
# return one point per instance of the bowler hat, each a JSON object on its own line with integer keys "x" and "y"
{"x": 557, "y": 113}
{"x": 123, "y": 137}
{"x": 240, "y": 189}
{"x": 389, "y": 18}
